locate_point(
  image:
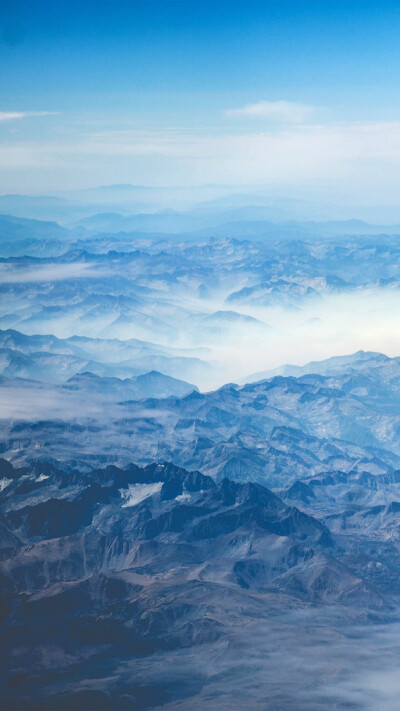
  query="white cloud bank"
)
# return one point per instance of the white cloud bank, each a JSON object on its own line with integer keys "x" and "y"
{"x": 280, "y": 111}
{"x": 349, "y": 162}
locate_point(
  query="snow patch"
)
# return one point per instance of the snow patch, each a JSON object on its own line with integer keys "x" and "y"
{"x": 183, "y": 497}
{"x": 138, "y": 492}
{"x": 42, "y": 477}
{"x": 4, "y": 482}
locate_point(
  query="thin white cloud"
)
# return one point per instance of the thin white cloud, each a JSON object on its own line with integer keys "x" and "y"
{"x": 15, "y": 115}
{"x": 282, "y": 111}
{"x": 50, "y": 272}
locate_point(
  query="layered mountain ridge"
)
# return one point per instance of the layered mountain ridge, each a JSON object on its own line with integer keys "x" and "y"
{"x": 273, "y": 431}
{"x": 137, "y": 562}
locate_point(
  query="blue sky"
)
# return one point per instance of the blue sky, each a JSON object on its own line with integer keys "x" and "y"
{"x": 285, "y": 94}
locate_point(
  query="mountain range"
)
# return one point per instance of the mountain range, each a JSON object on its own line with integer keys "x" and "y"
{"x": 199, "y": 454}
{"x": 106, "y": 571}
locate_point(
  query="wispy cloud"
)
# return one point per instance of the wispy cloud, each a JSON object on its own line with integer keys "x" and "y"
{"x": 352, "y": 161}
{"x": 49, "y": 273}
{"x": 14, "y": 115}
{"x": 286, "y": 111}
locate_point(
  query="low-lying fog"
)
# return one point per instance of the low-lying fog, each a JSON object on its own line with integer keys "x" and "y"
{"x": 312, "y": 329}
{"x": 315, "y": 329}
{"x": 307, "y": 660}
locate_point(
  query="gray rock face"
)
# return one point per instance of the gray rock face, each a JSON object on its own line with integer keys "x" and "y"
{"x": 110, "y": 565}
{"x": 274, "y": 432}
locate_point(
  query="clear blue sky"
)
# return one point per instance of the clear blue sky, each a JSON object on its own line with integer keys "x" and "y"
{"x": 165, "y": 91}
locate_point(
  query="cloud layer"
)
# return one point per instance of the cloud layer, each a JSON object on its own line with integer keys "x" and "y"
{"x": 281, "y": 111}
{"x": 355, "y": 162}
